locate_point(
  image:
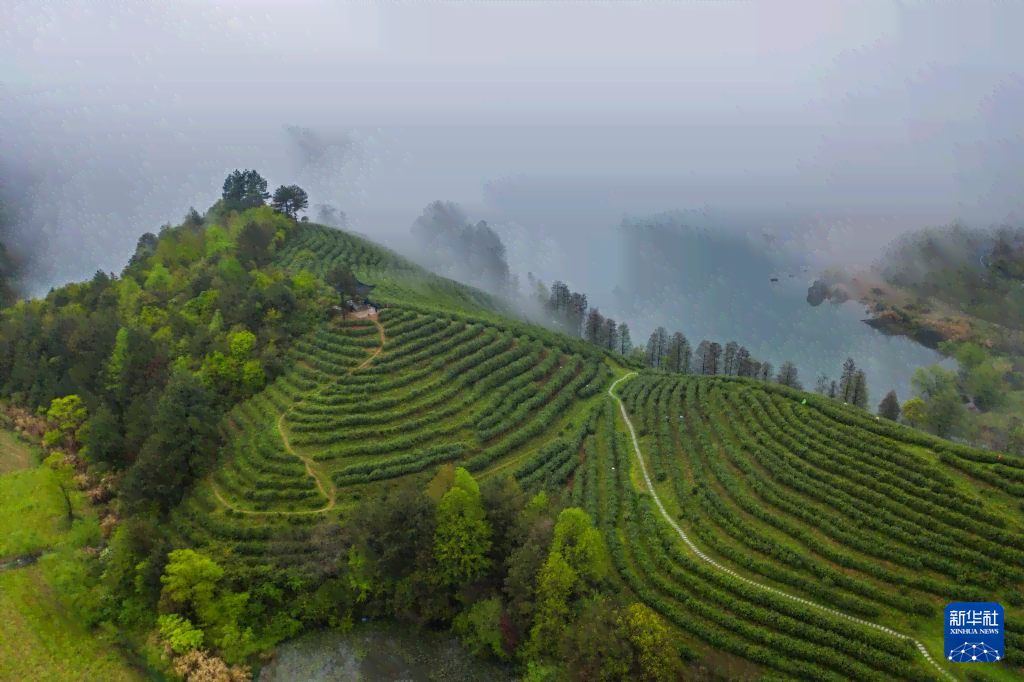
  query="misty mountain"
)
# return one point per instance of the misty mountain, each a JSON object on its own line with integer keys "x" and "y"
{"x": 450, "y": 245}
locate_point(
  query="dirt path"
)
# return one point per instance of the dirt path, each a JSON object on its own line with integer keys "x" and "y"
{"x": 312, "y": 469}
{"x": 705, "y": 558}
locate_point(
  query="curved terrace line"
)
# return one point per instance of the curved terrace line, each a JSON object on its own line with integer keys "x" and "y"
{"x": 704, "y": 557}
{"x": 311, "y": 470}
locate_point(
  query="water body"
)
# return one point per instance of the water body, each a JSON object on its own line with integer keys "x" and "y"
{"x": 378, "y": 653}
{"x": 680, "y": 271}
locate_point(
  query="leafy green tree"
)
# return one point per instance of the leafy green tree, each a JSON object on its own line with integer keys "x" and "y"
{"x": 938, "y": 389}
{"x": 244, "y": 190}
{"x": 522, "y": 568}
{"x": 68, "y": 412}
{"x": 159, "y": 279}
{"x": 184, "y": 444}
{"x": 462, "y": 540}
{"x": 595, "y": 648}
{"x": 985, "y": 383}
{"x": 582, "y": 546}
{"x": 970, "y": 355}
{"x": 218, "y": 241}
{"x": 915, "y": 413}
{"x": 102, "y": 439}
{"x": 655, "y": 656}
{"x": 290, "y": 200}
{"x": 192, "y": 584}
{"x": 504, "y": 502}
{"x": 556, "y": 586}
{"x": 479, "y": 628}
{"x": 255, "y": 244}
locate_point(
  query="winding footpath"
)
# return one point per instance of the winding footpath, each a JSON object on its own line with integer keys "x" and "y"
{"x": 311, "y": 469}
{"x": 704, "y": 557}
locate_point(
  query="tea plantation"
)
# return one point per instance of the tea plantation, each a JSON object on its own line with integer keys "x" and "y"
{"x": 784, "y": 528}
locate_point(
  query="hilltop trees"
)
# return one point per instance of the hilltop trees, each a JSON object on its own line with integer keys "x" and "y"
{"x": 679, "y": 353}
{"x": 788, "y": 376}
{"x": 329, "y": 215}
{"x": 290, "y": 199}
{"x": 244, "y": 190}
{"x": 657, "y": 347}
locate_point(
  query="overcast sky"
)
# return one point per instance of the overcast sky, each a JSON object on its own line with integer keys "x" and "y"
{"x": 834, "y": 125}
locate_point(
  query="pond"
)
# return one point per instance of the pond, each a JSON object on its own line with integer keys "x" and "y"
{"x": 379, "y": 653}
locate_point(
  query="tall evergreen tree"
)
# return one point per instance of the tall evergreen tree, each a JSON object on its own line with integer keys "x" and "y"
{"x": 625, "y": 342}
{"x": 889, "y": 407}
{"x": 859, "y": 394}
{"x": 700, "y": 358}
{"x": 611, "y": 335}
{"x": 821, "y": 388}
{"x": 833, "y": 390}
{"x": 731, "y": 362}
{"x": 594, "y": 329}
{"x": 657, "y": 348}
{"x": 713, "y": 358}
{"x": 576, "y": 313}
{"x": 766, "y": 371}
{"x": 744, "y": 363}
{"x": 846, "y": 380}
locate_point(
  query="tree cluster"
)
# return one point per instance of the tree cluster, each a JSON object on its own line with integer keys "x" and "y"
{"x": 675, "y": 354}
{"x": 195, "y": 322}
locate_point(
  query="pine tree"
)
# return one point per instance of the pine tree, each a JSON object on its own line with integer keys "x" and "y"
{"x": 625, "y": 342}
{"x": 713, "y": 358}
{"x": 833, "y": 390}
{"x": 610, "y": 335}
{"x": 744, "y": 363}
{"x": 822, "y": 386}
{"x": 730, "y": 364}
{"x": 577, "y": 310}
{"x": 700, "y": 358}
{"x": 859, "y": 394}
{"x": 846, "y": 380}
{"x": 889, "y": 407}
{"x": 594, "y": 330}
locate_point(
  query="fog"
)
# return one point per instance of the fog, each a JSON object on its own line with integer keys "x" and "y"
{"x": 831, "y": 128}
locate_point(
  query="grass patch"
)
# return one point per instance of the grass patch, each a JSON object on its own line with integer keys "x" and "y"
{"x": 14, "y": 454}
{"x": 33, "y": 514}
{"x": 39, "y": 641}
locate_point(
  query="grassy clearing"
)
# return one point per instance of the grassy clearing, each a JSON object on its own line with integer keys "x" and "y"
{"x": 14, "y": 455}
{"x": 42, "y": 643}
{"x": 33, "y": 514}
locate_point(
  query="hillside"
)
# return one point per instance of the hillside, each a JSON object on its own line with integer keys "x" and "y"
{"x": 822, "y": 502}
{"x": 739, "y": 526}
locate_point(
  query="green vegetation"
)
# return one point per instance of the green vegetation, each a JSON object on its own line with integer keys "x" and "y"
{"x": 40, "y": 641}
{"x": 14, "y": 455}
{"x": 442, "y": 464}
{"x": 34, "y": 514}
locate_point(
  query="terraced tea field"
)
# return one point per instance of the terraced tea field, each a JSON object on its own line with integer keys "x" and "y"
{"x": 789, "y": 508}
{"x": 807, "y": 537}
{"x": 371, "y": 401}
